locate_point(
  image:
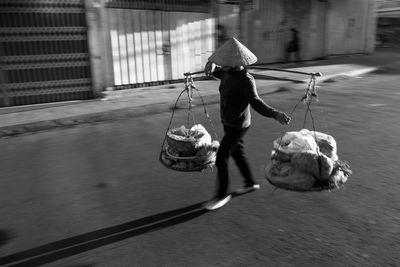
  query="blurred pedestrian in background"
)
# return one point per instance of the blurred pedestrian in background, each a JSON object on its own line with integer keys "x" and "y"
{"x": 293, "y": 47}
{"x": 221, "y": 35}
{"x": 238, "y": 92}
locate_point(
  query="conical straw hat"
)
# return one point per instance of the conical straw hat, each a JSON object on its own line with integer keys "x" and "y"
{"x": 233, "y": 53}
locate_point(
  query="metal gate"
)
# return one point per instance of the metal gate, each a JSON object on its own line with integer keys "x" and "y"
{"x": 43, "y": 52}
{"x": 157, "y": 41}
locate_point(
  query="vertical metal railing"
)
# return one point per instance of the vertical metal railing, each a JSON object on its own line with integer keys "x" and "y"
{"x": 156, "y": 41}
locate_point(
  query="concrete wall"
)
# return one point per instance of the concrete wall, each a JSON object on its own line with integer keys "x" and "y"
{"x": 351, "y": 26}
{"x": 99, "y": 46}
{"x": 228, "y": 18}
{"x": 326, "y": 28}
{"x": 264, "y": 30}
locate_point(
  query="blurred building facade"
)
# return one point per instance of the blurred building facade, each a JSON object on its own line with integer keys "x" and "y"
{"x": 325, "y": 27}
{"x": 152, "y": 43}
{"x": 388, "y": 23}
{"x": 55, "y": 50}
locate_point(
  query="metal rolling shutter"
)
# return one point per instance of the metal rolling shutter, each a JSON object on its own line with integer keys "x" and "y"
{"x": 43, "y": 52}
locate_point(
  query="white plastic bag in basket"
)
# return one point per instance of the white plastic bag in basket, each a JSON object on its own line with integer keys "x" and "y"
{"x": 326, "y": 143}
{"x": 205, "y": 137}
{"x": 294, "y": 142}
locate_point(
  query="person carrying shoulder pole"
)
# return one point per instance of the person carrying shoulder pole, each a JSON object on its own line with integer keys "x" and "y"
{"x": 238, "y": 92}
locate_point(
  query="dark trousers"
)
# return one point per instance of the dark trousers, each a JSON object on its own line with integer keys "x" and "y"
{"x": 232, "y": 145}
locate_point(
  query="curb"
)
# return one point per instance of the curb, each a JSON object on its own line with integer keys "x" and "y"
{"x": 104, "y": 116}
{"x": 68, "y": 122}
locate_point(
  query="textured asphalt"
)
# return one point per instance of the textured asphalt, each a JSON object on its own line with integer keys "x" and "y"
{"x": 114, "y": 196}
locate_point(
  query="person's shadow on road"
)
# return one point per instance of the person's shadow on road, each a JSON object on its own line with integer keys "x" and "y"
{"x": 74, "y": 245}
{"x": 81, "y": 243}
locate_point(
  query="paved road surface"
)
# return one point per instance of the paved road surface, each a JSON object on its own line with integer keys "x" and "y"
{"x": 96, "y": 195}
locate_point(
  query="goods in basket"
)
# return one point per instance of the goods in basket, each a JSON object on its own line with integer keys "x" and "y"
{"x": 292, "y": 142}
{"x": 189, "y": 149}
{"x": 186, "y": 142}
{"x": 306, "y": 161}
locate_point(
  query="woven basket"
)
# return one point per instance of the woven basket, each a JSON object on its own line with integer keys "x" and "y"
{"x": 189, "y": 163}
{"x": 298, "y": 187}
{"x": 186, "y": 147}
{"x": 301, "y": 186}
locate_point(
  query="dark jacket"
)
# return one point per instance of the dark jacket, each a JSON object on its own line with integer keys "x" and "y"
{"x": 238, "y": 92}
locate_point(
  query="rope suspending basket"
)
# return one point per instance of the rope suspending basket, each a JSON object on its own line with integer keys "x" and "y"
{"x": 306, "y": 160}
{"x": 189, "y": 147}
